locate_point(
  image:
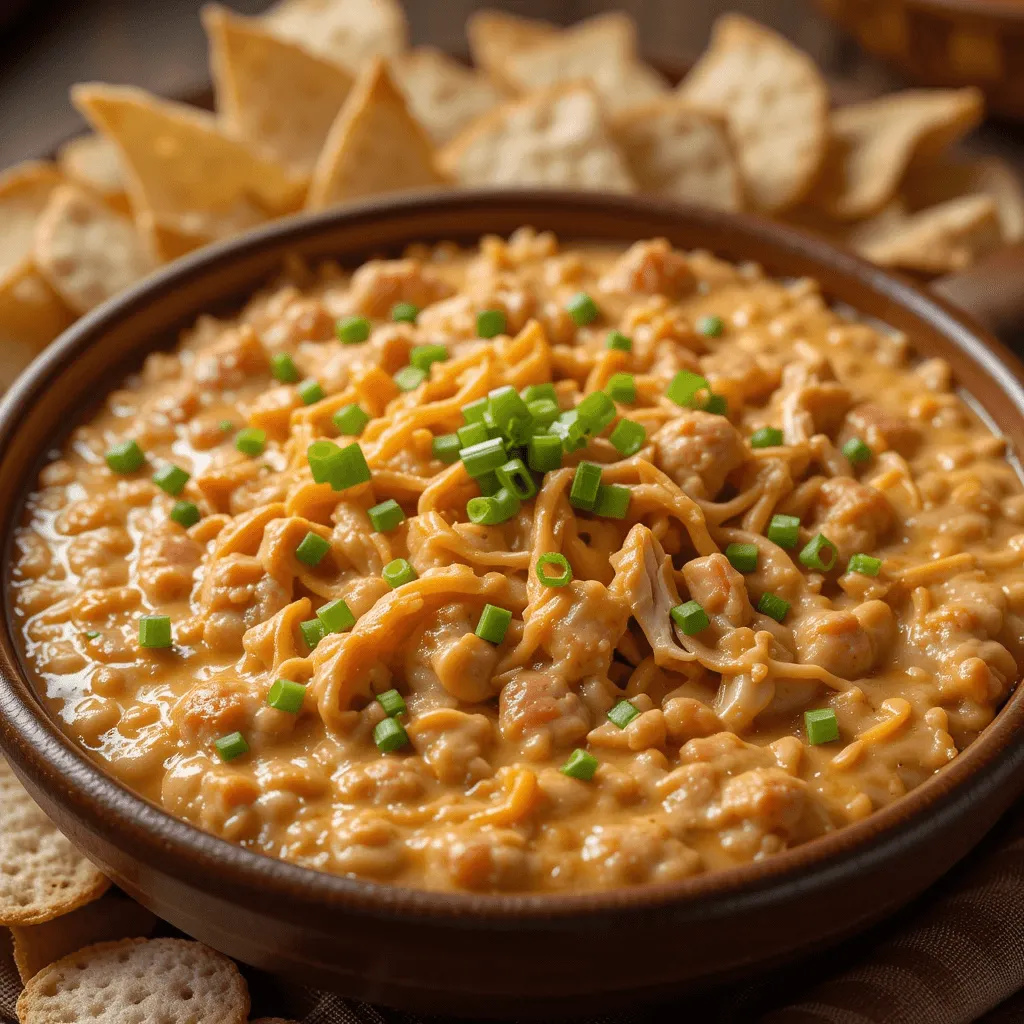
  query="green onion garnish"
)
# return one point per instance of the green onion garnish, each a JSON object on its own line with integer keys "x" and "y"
{"x": 621, "y": 387}
{"x": 821, "y": 726}
{"x": 336, "y": 616}
{"x": 404, "y": 312}
{"x": 628, "y": 437}
{"x": 856, "y": 451}
{"x": 489, "y": 484}
{"x": 398, "y": 572}
{"x": 93, "y": 634}
{"x": 620, "y": 341}
{"x": 717, "y": 405}
{"x": 537, "y": 392}
{"x": 580, "y": 765}
{"x": 773, "y": 606}
{"x": 585, "y": 485}
{"x": 310, "y": 391}
{"x": 286, "y": 695}
{"x": 623, "y": 713}
{"x": 571, "y": 433}
{"x": 171, "y": 479}
{"x": 484, "y": 457}
{"x": 155, "y": 631}
{"x": 409, "y": 378}
{"x": 474, "y": 412}
{"x": 492, "y": 510}
{"x": 251, "y": 441}
{"x": 490, "y": 323}
{"x": 445, "y": 448}
{"x": 612, "y": 501}
{"x": 231, "y": 746}
{"x": 564, "y": 575}
{"x": 312, "y": 549}
{"x": 819, "y": 553}
{"x": 516, "y": 478}
{"x": 313, "y": 632}
{"x": 389, "y": 735}
{"x": 866, "y": 565}
{"x": 349, "y": 469}
{"x": 392, "y": 702}
{"x": 185, "y": 513}
{"x": 386, "y": 516}
{"x": 766, "y": 437}
{"x": 710, "y": 326}
{"x": 226, "y": 426}
{"x": 509, "y": 413}
{"x": 493, "y": 624}
{"x": 126, "y": 457}
{"x": 424, "y": 356}
{"x": 543, "y": 412}
{"x": 690, "y": 617}
{"x": 583, "y": 309}
{"x": 595, "y": 412}
{"x": 544, "y": 453}
{"x": 784, "y": 531}
{"x": 685, "y": 388}
{"x": 350, "y": 420}
{"x": 470, "y": 434}
{"x": 742, "y": 557}
{"x": 352, "y": 330}
{"x": 283, "y": 367}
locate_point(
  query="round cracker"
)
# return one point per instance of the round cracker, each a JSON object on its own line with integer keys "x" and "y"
{"x": 41, "y": 874}
{"x": 138, "y": 981}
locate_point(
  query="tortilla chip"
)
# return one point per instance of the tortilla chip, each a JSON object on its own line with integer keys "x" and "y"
{"x": 24, "y": 192}
{"x": 775, "y": 102}
{"x": 31, "y": 316}
{"x": 494, "y": 35}
{"x": 555, "y": 138}
{"x": 273, "y": 93}
{"x": 681, "y": 153}
{"x": 374, "y": 146}
{"x": 181, "y": 168}
{"x": 137, "y": 980}
{"x": 113, "y": 917}
{"x": 443, "y": 95}
{"x": 874, "y": 143}
{"x": 601, "y": 50}
{"x": 92, "y": 160}
{"x": 348, "y": 32}
{"x": 86, "y": 251}
{"x": 937, "y": 240}
{"x": 43, "y": 875}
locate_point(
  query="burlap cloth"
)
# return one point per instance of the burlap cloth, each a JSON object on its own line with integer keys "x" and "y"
{"x": 954, "y": 956}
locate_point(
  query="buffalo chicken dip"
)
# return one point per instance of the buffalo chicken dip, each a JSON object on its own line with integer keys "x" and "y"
{"x": 527, "y": 568}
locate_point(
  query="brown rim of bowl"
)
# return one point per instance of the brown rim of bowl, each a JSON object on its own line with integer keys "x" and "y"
{"x": 40, "y": 748}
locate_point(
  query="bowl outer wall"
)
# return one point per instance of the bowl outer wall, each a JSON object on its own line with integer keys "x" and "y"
{"x": 469, "y": 953}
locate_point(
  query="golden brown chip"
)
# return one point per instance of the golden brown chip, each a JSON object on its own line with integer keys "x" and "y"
{"x": 112, "y": 917}
{"x": 271, "y": 92}
{"x": 348, "y": 32}
{"x": 165, "y": 980}
{"x": 374, "y": 146}
{"x": 86, "y": 251}
{"x": 31, "y": 316}
{"x": 555, "y": 138}
{"x": 494, "y": 35}
{"x": 444, "y": 95}
{"x": 681, "y": 153}
{"x": 182, "y": 169}
{"x": 775, "y": 102}
{"x": 43, "y": 875}
{"x": 874, "y": 143}
{"x": 24, "y": 192}
{"x": 92, "y": 160}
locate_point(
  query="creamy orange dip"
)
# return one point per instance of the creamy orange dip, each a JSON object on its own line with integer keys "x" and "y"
{"x": 498, "y": 766}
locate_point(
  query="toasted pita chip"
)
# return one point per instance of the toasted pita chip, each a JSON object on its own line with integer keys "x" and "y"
{"x": 555, "y": 138}
{"x": 348, "y": 32}
{"x": 24, "y": 192}
{"x": 112, "y": 917}
{"x": 137, "y": 980}
{"x": 271, "y": 92}
{"x": 182, "y": 169}
{"x": 601, "y": 50}
{"x": 494, "y": 35}
{"x": 775, "y": 102}
{"x": 937, "y": 240}
{"x": 374, "y": 146}
{"x": 681, "y": 153}
{"x": 92, "y": 160}
{"x": 444, "y": 95}
{"x": 43, "y": 875}
{"x": 86, "y": 251}
{"x": 874, "y": 143}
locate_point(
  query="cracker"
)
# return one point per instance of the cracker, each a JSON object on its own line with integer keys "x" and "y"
{"x": 158, "y": 981}
{"x": 43, "y": 875}
{"x": 938, "y": 240}
{"x": 443, "y": 95}
{"x": 681, "y": 153}
{"x": 182, "y": 169}
{"x": 374, "y": 146}
{"x": 348, "y": 32}
{"x": 555, "y": 138}
{"x": 873, "y": 145}
{"x": 112, "y": 917}
{"x": 494, "y": 35}
{"x": 86, "y": 251}
{"x": 271, "y": 92}
{"x": 775, "y": 102}
{"x": 24, "y": 192}
{"x": 92, "y": 160}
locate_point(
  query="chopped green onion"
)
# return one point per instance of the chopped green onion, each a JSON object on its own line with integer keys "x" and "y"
{"x": 171, "y": 479}
{"x": 784, "y": 531}
{"x": 766, "y": 437}
{"x": 484, "y": 457}
{"x": 350, "y": 420}
{"x": 710, "y": 326}
{"x": 398, "y": 572}
{"x": 231, "y": 746}
{"x": 386, "y": 516}
{"x": 424, "y": 356}
{"x": 352, "y": 330}
{"x": 583, "y": 309}
{"x": 489, "y": 484}
{"x": 595, "y": 412}
{"x": 585, "y": 484}
{"x": 543, "y": 412}
{"x": 690, "y": 617}
{"x": 93, "y": 634}
{"x": 472, "y": 433}
{"x": 856, "y": 451}
{"x": 323, "y": 457}
{"x": 493, "y": 624}
{"x": 251, "y": 441}
{"x": 155, "y": 631}
{"x": 474, "y": 412}
{"x": 742, "y": 557}
{"x": 185, "y": 513}
{"x": 536, "y": 392}
{"x": 286, "y": 695}
{"x": 866, "y": 565}
{"x": 310, "y": 391}
{"x": 620, "y": 341}
{"x": 819, "y": 553}
{"x": 821, "y": 726}
{"x": 392, "y": 702}
{"x": 580, "y": 765}
{"x": 612, "y": 501}
{"x": 409, "y": 378}
{"x": 445, "y": 448}
{"x": 623, "y": 713}
{"x": 349, "y": 469}
{"x": 313, "y": 632}
{"x": 628, "y": 437}
{"x": 622, "y": 388}
{"x": 553, "y": 558}
{"x": 717, "y": 405}
{"x": 283, "y": 367}
{"x": 490, "y": 323}
{"x": 773, "y": 606}
{"x": 312, "y": 548}
{"x": 494, "y": 509}
{"x": 571, "y": 433}
{"x": 404, "y": 312}
{"x": 509, "y": 413}
{"x": 685, "y": 388}
{"x": 336, "y": 616}
{"x": 226, "y": 426}
{"x": 516, "y": 478}
{"x": 125, "y": 457}
{"x": 545, "y": 453}
{"x": 389, "y": 735}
